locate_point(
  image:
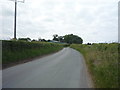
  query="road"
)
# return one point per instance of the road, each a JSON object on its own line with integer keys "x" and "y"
{"x": 64, "y": 69}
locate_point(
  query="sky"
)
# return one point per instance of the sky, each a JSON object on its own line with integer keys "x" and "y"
{"x": 95, "y": 21}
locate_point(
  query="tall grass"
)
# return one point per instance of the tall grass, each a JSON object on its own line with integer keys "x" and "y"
{"x": 102, "y": 62}
{"x": 14, "y": 51}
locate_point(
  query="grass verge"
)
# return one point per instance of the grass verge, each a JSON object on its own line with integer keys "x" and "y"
{"x": 102, "y": 62}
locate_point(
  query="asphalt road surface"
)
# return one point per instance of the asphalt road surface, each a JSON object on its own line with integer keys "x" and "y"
{"x": 64, "y": 69}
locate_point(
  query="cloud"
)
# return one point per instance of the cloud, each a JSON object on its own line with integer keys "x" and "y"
{"x": 93, "y": 20}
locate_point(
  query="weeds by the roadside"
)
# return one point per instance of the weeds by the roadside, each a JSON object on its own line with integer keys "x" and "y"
{"x": 102, "y": 62}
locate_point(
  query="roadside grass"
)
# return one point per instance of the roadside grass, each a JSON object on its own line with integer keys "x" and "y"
{"x": 14, "y": 51}
{"x": 102, "y": 62}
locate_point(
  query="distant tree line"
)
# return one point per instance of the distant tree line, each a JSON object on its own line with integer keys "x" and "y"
{"x": 70, "y": 39}
{"x": 28, "y": 39}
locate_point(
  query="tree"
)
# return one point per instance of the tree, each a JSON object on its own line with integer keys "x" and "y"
{"x": 61, "y": 38}
{"x": 43, "y": 40}
{"x": 55, "y": 37}
{"x": 70, "y": 38}
{"x": 24, "y": 39}
{"x": 48, "y": 40}
{"x": 34, "y": 40}
{"x": 89, "y": 44}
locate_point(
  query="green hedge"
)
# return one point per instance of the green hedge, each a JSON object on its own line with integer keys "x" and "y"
{"x": 14, "y": 51}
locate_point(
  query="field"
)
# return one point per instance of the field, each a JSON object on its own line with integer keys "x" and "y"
{"x": 102, "y": 62}
{"x": 15, "y": 51}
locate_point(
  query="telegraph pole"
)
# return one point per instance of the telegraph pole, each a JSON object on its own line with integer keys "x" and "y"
{"x": 15, "y": 19}
{"x": 15, "y": 16}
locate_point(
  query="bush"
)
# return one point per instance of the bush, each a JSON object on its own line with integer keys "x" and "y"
{"x": 14, "y": 51}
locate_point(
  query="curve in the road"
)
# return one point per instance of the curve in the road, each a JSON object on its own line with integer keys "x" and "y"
{"x": 65, "y": 69}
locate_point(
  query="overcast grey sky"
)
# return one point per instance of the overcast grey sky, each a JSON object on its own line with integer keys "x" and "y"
{"x": 92, "y": 20}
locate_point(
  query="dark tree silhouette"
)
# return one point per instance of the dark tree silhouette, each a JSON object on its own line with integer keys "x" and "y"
{"x": 24, "y": 39}
{"x": 55, "y": 37}
{"x": 70, "y": 38}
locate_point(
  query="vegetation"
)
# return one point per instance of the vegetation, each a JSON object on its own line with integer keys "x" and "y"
{"x": 102, "y": 62}
{"x": 14, "y": 51}
{"x": 70, "y": 39}
{"x": 24, "y": 39}
{"x": 73, "y": 39}
{"x": 55, "y": 37}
